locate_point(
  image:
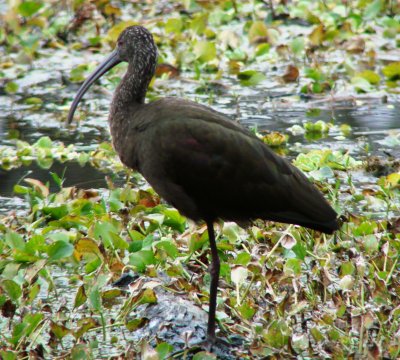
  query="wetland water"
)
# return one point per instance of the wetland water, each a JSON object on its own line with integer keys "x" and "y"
{"x": 374, "y": 122}
{"x": 269, "y": 106}
{"x": 311, "y": 296}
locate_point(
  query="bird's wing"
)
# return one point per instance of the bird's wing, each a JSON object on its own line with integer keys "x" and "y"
{"x": 224, "y": 171}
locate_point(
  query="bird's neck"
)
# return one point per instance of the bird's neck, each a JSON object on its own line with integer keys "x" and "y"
{"x": 129, "y": 96}
{"x": 128, "y": 99}
{"x": 133, "y": 87}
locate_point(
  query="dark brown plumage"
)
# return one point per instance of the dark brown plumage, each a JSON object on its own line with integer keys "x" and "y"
{"x": 200, "y": 161}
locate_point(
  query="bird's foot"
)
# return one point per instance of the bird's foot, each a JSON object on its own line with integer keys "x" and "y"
{"x": 215, "y": 344}
{"x": 218, "y": 346}
{"x": 223, "y": 349}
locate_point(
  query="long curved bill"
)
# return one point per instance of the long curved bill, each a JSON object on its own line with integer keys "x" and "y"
{"x": 107, "y": 64}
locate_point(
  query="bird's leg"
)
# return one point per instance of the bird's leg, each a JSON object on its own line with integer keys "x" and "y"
{"x": 214, "y": 272}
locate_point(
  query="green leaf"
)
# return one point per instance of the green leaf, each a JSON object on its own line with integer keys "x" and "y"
{"x": 80, "y": 297}
{"x": 317, "y": 334}
{"x": 18, "y": 189}
{"x": 251, "y": 77}
{"x": 199, "y": 23}
{"x": 56, "y": 212}
{"x": 196, "y": 241}
{"x": 203, "y": 355}
{"x": 28, "y": 8}
{"x": 297, "y": 46}
{"x": 33, "y": 292}
{"x": 373, "y": 9}
{"x": 174, "y": 25}
{"x": 135, "y": 324}
{"x": 103, "y": 231}
{"x": 59, "y": 330}
{"x": 300, "y": 250}
{"x": 111, "y": 294}
{"x": 60, "y": 249}
{"x": 242, "y": 258}
{"x": 11, "y": 87}
{"x": 136, "y": 236}
{"x": 163, "y": 349}
{"x": 141, "y": 259}
{"x": 205, "y": 51}
{"x": 59, "y": 181}
{"x": 365, "y": 228}
{"x": 93, "y": 265}
{"x": 156, "y": 218}
{"x": 262, "y": 49}
{"x": 346, "y": 282}
{"x": 246, "y": 310}
{"x": 169, "y": 247}
{"x": 77, "y": 74}
{"x": 258, "y": 29}
{"x": 8, "y": 355}
{"x": 392, "y": 71}
{"x": 32, "y": 321}
{"x": 317, "y": 127}
{"x": 13, "y": 290}
{"x": 293, "y": 267}
{"x": 371, "y": 243}
{"x": 135, "y": 246}
{"x": 148, "y": 297}
{"x": 95, "y": 299}
{"x": 347, "y": 268}
{"x": 15, "y": 241}
{"x": 33, "y": 101}
{"x": 372, "y": 77}
{"x": 316, "y": 159}
{"x": 44, "y": 142}
{"x": 313, "y": 74}
{"x": 361, "y": 84}
{"x": 277, "y": 334}
{"x": 174, "y": 219}
{"x": 322, "y": 174}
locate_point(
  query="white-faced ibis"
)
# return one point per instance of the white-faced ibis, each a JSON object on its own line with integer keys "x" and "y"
{"x": 198, "y": 160}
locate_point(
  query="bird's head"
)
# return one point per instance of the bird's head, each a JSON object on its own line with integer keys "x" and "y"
{"x": 136, "y": 46}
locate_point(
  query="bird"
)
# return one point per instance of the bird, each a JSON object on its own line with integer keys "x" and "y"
{"x": 200, "y": 161}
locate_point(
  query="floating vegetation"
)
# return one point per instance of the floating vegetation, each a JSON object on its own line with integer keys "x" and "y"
{"x": 327, "y": 73}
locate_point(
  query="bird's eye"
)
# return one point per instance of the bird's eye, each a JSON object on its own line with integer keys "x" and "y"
{"x": 120, "y": 43}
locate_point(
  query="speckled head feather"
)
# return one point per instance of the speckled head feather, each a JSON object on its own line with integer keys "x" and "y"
{"x": 136, "y": 45}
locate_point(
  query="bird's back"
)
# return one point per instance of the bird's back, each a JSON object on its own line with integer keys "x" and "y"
{"x": 210, "y": 167}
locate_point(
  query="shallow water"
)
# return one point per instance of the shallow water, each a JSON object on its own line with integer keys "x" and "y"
{"x": 270, "y": 106}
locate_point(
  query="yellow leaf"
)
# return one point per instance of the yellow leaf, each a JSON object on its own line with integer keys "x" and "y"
{"x": 393, "y": 179}
{"x": 205, "y": 51}
{"x": 113, "y": 33}
{"x": 257, "y": 30}
{"x": 317, "y": 36}
{"x": 86, "y": 246}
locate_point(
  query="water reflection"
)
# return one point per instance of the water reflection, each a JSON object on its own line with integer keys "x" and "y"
{"x": 84, "y": 177}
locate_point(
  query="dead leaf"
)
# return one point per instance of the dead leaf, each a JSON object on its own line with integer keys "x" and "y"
{"x": 288, "y": 241}
{"x": 354, "y": 46}
{"x": 38, "y": 186}
{"x": 83, "y": 13}
{"x": 374, "y": 352}
{"x": 164, "y": 68}
{"x": 291, "y": 75}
